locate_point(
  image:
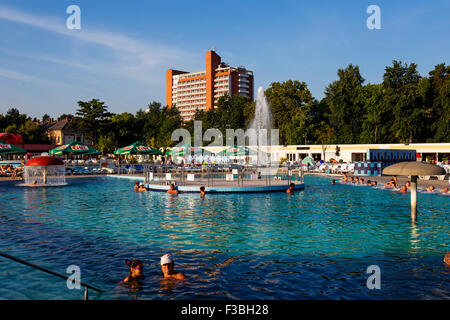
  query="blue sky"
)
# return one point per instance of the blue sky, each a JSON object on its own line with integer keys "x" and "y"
{"x": 123, "y": 48}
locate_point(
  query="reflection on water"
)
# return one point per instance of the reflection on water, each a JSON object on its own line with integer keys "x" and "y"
{"x": 314, "y": 244}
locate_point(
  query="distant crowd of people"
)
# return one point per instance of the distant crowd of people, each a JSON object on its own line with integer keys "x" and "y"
{"x": 392, "y": 183}
{"x": 140, "y": 187}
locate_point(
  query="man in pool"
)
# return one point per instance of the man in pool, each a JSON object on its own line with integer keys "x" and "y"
{"x": 374, "y": 184}
{"x": 408, "y": 185}
{"x": 445, "y": 190}
{"x": 291, "y": 188}
{"x": 136, "y": 186}
{"x": 368, "y": 183}
{"x": 403, "y": 189}
{"x": 172, "y": 190}
{"x": 202, "y": 191}
{"x": 345, "y": 178}
{"x": 142, "y": 188}
{"x": 168, "y": 268}
{"x": 430, "y": 189}
{"x": 333, "y": 181}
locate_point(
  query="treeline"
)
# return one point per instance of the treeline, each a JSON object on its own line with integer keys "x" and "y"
{"x": 15, "y": 122}
{"x": 404, "y": 108}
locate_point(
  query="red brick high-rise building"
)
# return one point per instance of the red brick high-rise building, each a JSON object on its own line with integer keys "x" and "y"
{"x": 189, "y": 91}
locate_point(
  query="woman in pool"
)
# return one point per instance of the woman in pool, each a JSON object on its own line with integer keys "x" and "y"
{"x": 172, "y": 190}
{"x": 430, "y": 189}
{"x": 136, "y": 271}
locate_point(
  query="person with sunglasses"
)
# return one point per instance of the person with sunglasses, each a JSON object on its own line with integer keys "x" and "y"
{"x": 136, "y": 270}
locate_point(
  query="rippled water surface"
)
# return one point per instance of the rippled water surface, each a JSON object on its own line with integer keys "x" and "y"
{"x": 315, "y": 244}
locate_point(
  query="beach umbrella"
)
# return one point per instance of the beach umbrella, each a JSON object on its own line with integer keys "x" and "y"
{"x": 186, "y": 149}
{"x": 74, "y": 147}
{"x": 137, "y": 148}
{"x": 308, "y": 160}
{"x": 413, "y": 169}
{"x": 11, "y": 138}
{"x": 7, "y": 148}
{"x": 237, "y": 151}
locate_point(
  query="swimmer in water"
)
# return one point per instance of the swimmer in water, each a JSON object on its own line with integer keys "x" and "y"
{"x": 403, "y": 189}
{"x": 333, "y": 181}
{"x": 447, "y": 259}
{"x": 202, "y": 191}
{"x": 168, "y": 268}
{"x": 291, "y": 188}
{"x": 172, "y": 190}
{"x": 136, "y": 186}
{"x": 136, "y": 270}
{"x": 430, "y": 189}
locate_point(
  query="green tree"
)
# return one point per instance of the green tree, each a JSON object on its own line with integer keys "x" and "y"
{"x": 377, "y": 120}
{"x": 289, "y": 100}
{"x": 107, "y": 143}
{"x": 94, "y": 115}
{"x": 400, "y": 82}
{"x": 346, "y": 110}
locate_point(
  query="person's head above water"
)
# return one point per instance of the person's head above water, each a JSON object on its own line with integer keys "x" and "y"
{"x": 333, "y": 181}
{"x": 172, "y": 186}
{"x": 168, "y": 267}
{"x": 447, "y": 258}
{"x": 136, "y": 268}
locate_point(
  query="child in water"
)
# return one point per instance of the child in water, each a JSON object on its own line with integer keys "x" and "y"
{"x": 136, "y": 270}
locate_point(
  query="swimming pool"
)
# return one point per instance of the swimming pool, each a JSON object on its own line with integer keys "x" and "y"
{"x": 314, "y": 244}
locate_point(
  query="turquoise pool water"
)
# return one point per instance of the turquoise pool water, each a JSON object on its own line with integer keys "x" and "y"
{"x": 315, "y": 244}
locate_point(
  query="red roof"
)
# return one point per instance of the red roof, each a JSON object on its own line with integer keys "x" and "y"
{"x": 44, "y": 161}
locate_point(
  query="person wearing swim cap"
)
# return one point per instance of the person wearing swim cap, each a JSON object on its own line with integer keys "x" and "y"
{"x": 168, "y": 268}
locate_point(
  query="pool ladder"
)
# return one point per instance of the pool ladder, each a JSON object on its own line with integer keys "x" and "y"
{"x": 85, "y": 285}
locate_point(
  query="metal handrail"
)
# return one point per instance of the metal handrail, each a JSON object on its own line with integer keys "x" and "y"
{"x": 5, "y": 255}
